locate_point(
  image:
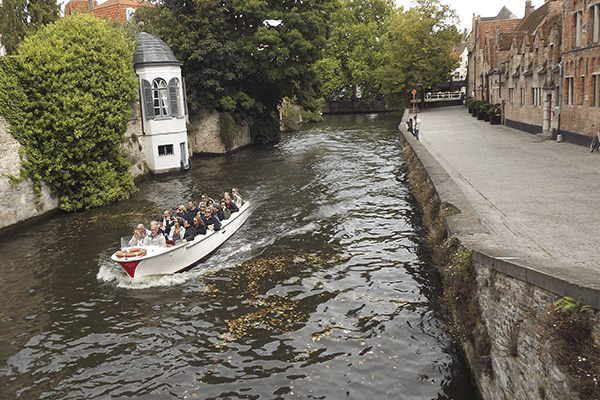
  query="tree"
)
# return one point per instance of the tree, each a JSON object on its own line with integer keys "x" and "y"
{"x": 20, "y": 17}
{"x": 245, "y": 56}
{"x": 72, "y": 86}
{"x": 417, "y": 48}
{"x": 354, "y": 49}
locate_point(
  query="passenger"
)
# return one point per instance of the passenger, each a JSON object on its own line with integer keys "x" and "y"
{"x": 191, "y": 212}
{"x": 237, "y": 197}
{"x": 199, "y": 227}
{"x": 167, "y": 222}
{"x": 177, "y": 233}
{"x": 189, "y": 232}
{"x": 223, "y": 212}
{"x": 226, "y": 196}
{"x": 211, "y": 221}
{"x": 231, "y": 206}
{"x": 156, "y": 238}
{"x": 139, "y": 234}
{"x": 204, "y": 199}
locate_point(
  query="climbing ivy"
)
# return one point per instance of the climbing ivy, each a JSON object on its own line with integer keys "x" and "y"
{"x": 68, "y": 101}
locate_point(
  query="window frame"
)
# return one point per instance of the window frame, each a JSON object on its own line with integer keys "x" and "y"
{"x": 570, "y": 85}
{"x": 578, "y": 23}
{"x": 166, "y": 148}
{"x": 595, "y": 11}
{"x": 160, "y": 98}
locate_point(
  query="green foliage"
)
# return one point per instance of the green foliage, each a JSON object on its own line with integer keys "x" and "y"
{"x": 354, "y": 49}
{"x": 19, "y": 18}
{"x": 69, "y": 106}
{"x": 417, "y": 48}
{"x": 227, "y": 128}
{"x": 244, "y": 56}
{"x": 569, "y": 304}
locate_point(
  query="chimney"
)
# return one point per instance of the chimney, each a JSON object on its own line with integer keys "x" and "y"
{"x": 528, "y": 8}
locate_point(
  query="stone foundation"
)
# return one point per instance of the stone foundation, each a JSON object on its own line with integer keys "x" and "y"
{"x": 525, "y": 359}
{"x": 17, "y": 201}
{"x": 204, "y": 135}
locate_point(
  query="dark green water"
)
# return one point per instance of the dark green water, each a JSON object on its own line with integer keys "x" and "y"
{"x": 325, "y": 293}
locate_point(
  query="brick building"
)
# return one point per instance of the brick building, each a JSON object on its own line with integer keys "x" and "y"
{"x": 116, "y": 10}
{"x": 518, "y": 64}
{"x": 580, "y": 107}
{"x": 484, "y": 29}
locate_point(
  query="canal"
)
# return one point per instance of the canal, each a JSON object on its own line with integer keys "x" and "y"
{"x": 325, "y": 293}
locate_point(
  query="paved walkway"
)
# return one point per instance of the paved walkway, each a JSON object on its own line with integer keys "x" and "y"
{"x": 538, "y": 198}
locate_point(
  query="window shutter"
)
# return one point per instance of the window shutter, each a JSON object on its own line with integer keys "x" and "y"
{"x": 173, "y": 97}
{"x": 148, "y": 102}
{"x": 185, "y": 106}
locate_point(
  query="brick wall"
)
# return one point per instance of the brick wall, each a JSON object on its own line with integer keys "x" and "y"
{"x": 581, "y": 63}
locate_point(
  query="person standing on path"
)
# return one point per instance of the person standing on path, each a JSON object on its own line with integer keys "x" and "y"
{"x": 416, "y": 127}
{"x": 595, "y": 141}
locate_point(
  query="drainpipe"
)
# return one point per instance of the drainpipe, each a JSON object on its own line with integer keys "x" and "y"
{"x": 559, "y": 136}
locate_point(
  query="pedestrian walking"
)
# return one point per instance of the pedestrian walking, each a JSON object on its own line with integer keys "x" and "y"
{"x": 595, "y": 145}
{"x": 416, "y": 127}
{"x": 409, "y": 125}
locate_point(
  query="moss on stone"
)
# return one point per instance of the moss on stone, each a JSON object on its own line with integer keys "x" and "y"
{"x": 227, "y": 128}
{"x": 454, "y": 262}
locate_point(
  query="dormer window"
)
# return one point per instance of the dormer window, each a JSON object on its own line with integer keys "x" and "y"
{"x": 160, "y": 98}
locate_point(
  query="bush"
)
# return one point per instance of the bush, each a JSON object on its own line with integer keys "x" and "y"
{"x": 227, "y": 128}
{"x": 485, "y": 107}
{"x": 69, "y": 109}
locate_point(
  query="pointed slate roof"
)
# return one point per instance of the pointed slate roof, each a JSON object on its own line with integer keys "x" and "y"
{"x": 152, "y": 50}
{"x": 504, "y": 13}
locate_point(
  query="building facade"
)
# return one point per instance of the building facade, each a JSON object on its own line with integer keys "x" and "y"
{"x": 544, "y": 69}
{"x": 580, "y": 109}
{"x": 116, "y": 10}
{"x": 164, "y": 111}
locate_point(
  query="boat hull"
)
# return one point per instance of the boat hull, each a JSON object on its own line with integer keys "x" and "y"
{"x": 170, "y": 260}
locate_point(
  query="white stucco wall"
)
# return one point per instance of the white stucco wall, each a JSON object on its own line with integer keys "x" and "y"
{"x": 161, "y": 131}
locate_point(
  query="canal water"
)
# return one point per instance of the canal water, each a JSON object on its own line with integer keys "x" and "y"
{"x": 325, "y": 293}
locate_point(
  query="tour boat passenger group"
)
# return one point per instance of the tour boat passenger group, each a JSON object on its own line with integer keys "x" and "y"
{"x": 172, "y": 239}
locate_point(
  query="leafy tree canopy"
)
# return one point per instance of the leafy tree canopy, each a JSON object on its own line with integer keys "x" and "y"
{"x": 245, "y": 56}
{"x": 417, "y": 47}
{"x": 354, "y": 49}
{"x": 20, "y": 17}
{"x": 68, "y": 103}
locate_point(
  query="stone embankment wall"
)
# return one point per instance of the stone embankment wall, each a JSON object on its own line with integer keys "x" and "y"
{"x": 350, "y": 107}
{"x": 17, "y": 198}
{"x": 134, "y": 146}
{"x": 529, "y": 351}
{"x": 204, "y": 135}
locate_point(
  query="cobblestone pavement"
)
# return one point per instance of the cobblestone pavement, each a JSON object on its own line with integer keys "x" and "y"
{"x": 537, "y": 197}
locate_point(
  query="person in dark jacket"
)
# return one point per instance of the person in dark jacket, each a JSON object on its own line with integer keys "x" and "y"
{"x": 211, "y": 221}
{"x": 199, "y": 227}
{"x": 231, "y": 205}
{"x": 223, "y": 212}
{"x": 167, "y": 222}
{"x": 191, "y": 212}
{"x": 189, "y": 234}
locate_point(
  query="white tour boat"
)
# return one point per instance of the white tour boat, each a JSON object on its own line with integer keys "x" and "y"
{"x": 154, "y": 260}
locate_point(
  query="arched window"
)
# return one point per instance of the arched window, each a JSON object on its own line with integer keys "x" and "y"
{"x": 160, "y": 98}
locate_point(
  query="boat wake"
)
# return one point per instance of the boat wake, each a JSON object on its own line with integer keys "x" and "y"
{"x": 113, "y": 274}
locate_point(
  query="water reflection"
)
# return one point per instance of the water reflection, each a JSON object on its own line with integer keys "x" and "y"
{"x": 325, "y": 293}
